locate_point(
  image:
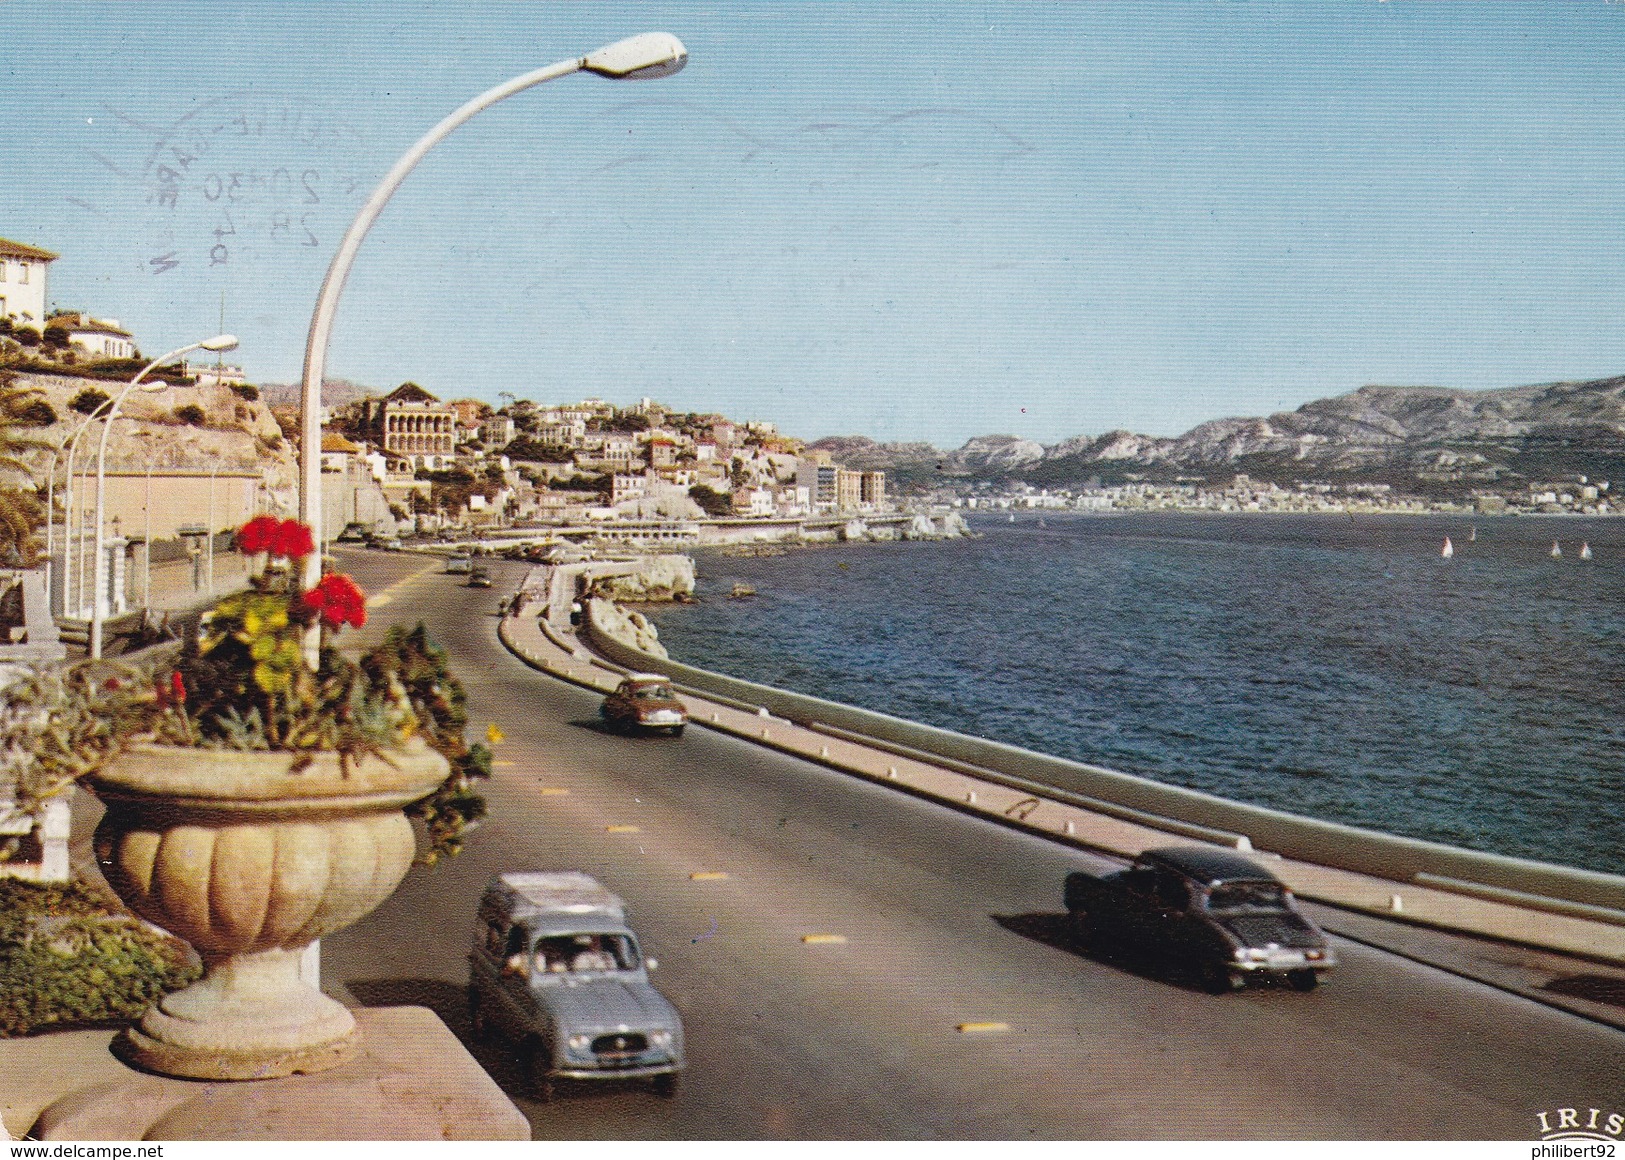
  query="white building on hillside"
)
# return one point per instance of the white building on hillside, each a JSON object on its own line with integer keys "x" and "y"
{"x": 22, "y": 283}
{"x": 98, "y": 337}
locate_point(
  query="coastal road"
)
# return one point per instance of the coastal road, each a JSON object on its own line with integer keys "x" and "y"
{"x": 948, "y": 920}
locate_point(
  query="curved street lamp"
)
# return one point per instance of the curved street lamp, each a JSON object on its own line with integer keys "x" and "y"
{"x": 73, "y": 577}
{"x": 220, "y": 342}
{"x": 644, "y": 57}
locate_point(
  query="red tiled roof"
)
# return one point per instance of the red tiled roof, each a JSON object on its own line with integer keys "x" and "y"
{"x": 96, "y": 326}
{"x": 11, "y": 249}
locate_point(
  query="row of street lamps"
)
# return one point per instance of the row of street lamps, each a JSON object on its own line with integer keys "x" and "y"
{"x": 648, "y": 56}
{"x": 107, "y": 412}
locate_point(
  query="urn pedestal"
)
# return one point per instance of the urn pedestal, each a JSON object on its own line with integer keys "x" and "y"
{"x": 250, "y": 862}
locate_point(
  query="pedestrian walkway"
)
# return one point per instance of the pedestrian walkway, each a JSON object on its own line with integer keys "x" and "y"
{"x": 170, "y": 593}
{"x": 175, "y": 589}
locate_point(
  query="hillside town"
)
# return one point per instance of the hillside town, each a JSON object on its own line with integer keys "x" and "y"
{"x": 200, "y": 449}
{"x": 412, "y": 457}
{"x": 1574, "y": 494}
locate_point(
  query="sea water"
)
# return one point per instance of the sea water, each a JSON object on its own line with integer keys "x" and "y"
{"x": 1332, "y": 666}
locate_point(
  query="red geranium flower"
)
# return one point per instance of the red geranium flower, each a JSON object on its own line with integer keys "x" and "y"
{"x": 293, "y": 540}
{"x": 257, "y": 534}
{"x": 338, "y": 600}
{"x": 177, "y": 687}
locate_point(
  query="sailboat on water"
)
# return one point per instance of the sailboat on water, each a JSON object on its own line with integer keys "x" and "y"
{"x": 1557, "y": 552}
{"x": 1448, "y": 550}
{"x": 1585, "y": 550}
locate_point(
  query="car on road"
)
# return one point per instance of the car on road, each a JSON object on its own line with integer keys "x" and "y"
{"x": 645, "y": 701}
{"x": 459, "y": 564}
{"x": 1203, "y": 910}
{"x": 352, "y": 534}
{"x": 479, "y": 577}
{"x": 556, "y": 968}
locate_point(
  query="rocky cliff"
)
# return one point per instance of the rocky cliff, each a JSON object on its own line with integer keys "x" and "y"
{"x": 235, "y": 432}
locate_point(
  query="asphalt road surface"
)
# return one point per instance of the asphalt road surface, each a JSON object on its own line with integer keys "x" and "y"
{"x": 947, "y": 919}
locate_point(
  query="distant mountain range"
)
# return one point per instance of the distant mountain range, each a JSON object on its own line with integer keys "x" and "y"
{"x": 1422, "y": 439}
{"x": 334, "y": 393}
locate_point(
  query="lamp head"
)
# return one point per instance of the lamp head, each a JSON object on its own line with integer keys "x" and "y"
{"x": 638, "y": 58}
{"x": 220, "y": 342}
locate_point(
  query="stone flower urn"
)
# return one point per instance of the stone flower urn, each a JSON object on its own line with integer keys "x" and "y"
{"x": 250, "y": 862}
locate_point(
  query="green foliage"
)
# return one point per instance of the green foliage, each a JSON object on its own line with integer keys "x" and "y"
{"x": 243, "y": 684}
{"x": 58, "y": 724}
{"x": 530, "y": 450}
{"x": 89, "y": 401}
{"x": 191, "y": 414}
{"x": 248, "y": 392}
{"x": 599, "y": 483}
{"x": 408, "y": 660}
{"x": 68, "y": 958}
{"x": 713, "y": 503}
{"x": 35, "y": 412}
{"x": 26, "y": 335}
{"x": 629, "y": 421}
{"x": 20, "y": 510}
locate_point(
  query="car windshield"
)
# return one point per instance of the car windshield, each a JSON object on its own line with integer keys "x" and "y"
{"x": 585, "y": 953}
{"x": 1247, "y": 896}
{"x": 652, "y": 692}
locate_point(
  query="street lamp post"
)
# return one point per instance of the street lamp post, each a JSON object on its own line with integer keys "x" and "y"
{"x": 72, "y": 583}
{"x": 644, "y": 57}
{"x": 50, "y": 524}
{"x": 220, "y": 342}
{"x": 213, "y": 469}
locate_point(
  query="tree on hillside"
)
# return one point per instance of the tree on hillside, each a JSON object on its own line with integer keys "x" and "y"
{"x": 89, "y": 401}
{"x": 712, "y": 502}
{"x": 20, "y": 509}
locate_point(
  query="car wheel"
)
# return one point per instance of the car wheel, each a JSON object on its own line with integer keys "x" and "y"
{"x": 538, "y": 1065}
{"x": 1303, "y": 980}
{"x": 1221, "y": 980}
{"x": 666, "y": 1085}
{"x": 676, "y": 730}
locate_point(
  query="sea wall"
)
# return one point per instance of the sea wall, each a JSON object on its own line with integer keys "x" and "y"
{"x": 1517, "y": 881}
{"x": 628, "y": 629}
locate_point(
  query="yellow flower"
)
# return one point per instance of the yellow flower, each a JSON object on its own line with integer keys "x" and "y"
{"x": 272, "y": 679}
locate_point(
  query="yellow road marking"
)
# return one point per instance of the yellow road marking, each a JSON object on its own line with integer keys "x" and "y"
{"x": 502, "y": 765}
{"x": 986, "y": 1026}
{"x": 621, "y": 829}
{"x": 379, "y": 601}
{"x": 823, "y": 938}
{"x": 552, "y": 791}
{"x": 707, "y": 876}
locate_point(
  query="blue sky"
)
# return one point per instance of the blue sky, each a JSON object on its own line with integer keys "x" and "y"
{"x": 906, "y": 220}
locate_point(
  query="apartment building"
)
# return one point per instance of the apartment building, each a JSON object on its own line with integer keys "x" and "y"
{"x": 411, "y": 424}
